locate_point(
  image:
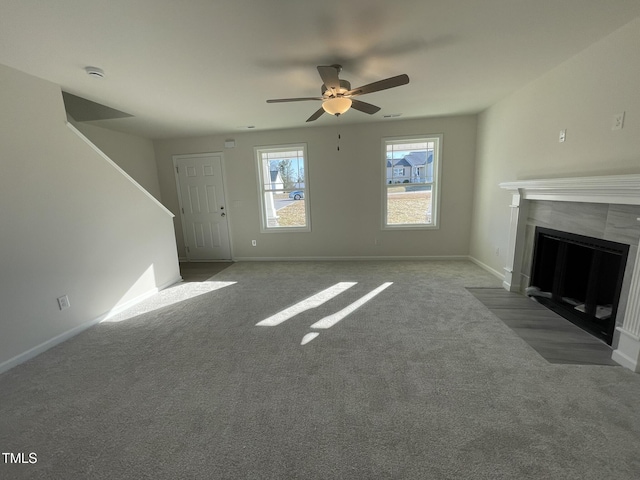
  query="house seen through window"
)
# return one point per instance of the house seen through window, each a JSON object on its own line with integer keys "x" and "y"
{"x": 411, "y": 181}
{"x": 283, "y": 184}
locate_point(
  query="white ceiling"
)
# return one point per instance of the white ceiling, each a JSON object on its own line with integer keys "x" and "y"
{"x": 197, "y": 67}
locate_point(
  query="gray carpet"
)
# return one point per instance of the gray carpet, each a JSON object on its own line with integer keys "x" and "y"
{"x": 421, "y": 382}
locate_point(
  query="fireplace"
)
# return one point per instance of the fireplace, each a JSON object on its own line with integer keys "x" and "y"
{"x": 604, "y": 208}
{"x": 580, "y": 278}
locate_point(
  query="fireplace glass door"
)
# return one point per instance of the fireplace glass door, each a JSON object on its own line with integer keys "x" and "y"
{"x": 579, "y": 278}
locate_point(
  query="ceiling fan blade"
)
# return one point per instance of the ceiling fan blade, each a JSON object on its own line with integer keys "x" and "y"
{"x": 329, "y": 77}
{"x": 364, "y": 107}
{"x": 316, "y": 115}
{"x": 301, "y": 99}
{"x": 380, "y": 85}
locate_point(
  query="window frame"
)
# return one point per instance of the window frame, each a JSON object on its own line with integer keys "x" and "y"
{"x": 435, "y": 184}
{"x": 267, "y": 187}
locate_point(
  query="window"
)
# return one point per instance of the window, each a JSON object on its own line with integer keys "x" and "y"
{"x": 283, "y": 188}
{"x": 411, "y": 177}
{"x": 398, "y": 172}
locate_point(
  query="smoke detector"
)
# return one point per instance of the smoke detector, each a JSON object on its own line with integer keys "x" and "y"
{"x": 94, "y": 72}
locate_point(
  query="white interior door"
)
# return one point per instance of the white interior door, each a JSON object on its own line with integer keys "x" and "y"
{"x": 202, "y": 206}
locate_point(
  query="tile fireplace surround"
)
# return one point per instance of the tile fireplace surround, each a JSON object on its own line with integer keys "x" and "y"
{"x": 602, "y": 207}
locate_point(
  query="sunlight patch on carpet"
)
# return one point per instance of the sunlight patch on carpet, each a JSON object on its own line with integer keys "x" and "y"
{"x": 330, "y": 320}
{"x": 307, "y": 304}
{"x": 308, "y": 337}
{"x": 319, "y": 299}
{"x": 166, "y": 297}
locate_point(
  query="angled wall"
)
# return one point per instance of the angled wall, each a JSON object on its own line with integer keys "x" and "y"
{"x": 72, "y": 223}
{"x": 135, "y": 155}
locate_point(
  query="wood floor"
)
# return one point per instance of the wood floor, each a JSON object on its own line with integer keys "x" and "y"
{"x": 553, "y": 337}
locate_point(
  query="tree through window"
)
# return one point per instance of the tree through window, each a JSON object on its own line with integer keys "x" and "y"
{"x": 283, "y": 187}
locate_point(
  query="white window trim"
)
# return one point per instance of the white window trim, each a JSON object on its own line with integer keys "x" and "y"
{"x": 436, "y": 185}
{"x": 261, "y": 190}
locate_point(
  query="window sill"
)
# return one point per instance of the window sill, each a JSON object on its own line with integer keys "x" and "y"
{"x": 286, "y": 230}
{"x": 410, "y": 227}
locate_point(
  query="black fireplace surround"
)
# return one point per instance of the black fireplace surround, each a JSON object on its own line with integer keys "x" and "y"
{"x": 580, "y": 278}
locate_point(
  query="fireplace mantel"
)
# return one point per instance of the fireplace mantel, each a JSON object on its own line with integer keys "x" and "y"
{"x": 618, "y": 189}
{"x": 611, "y": 189}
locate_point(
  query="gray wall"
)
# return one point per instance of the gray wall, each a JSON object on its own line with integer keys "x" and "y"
{"x": 71, "y": 223}
{"x": 135, "y": 155}
{"x": 518, "y": 137}
{"x": 345, "y": 190}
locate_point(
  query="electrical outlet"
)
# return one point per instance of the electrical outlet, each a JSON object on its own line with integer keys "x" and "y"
{"x": 563, "y": 135}
{"x": 375, "y": 241}
{"x": 254, "y": 243}
{"x": 63, "y": 302}
{"x": 498, "y": 252}
{"x": 618, "y": 121}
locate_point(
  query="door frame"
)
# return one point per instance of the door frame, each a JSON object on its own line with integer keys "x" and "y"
{"x": 176, "y": 158}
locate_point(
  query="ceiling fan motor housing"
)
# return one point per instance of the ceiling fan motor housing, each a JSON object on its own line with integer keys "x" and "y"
{"x": 345, "y": 86}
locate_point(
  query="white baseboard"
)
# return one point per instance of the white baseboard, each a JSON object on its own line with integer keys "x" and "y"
{"x": 134, "y": 301}
{"x": 486, "y": 267}
{"x": 186, "y": 260}
{"x": 46, "y": 345}
{"x": 624, "y": 360}
{"x": 628, "y": 352}
{"x": 52, "y": 342}
{"x": 347, "y": 258}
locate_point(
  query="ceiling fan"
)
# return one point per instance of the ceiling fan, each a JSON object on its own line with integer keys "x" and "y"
{"x": 337, "y": 95}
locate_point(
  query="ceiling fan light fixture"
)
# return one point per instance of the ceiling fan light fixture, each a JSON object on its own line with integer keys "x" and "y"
{"x": 336, "y": 105}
